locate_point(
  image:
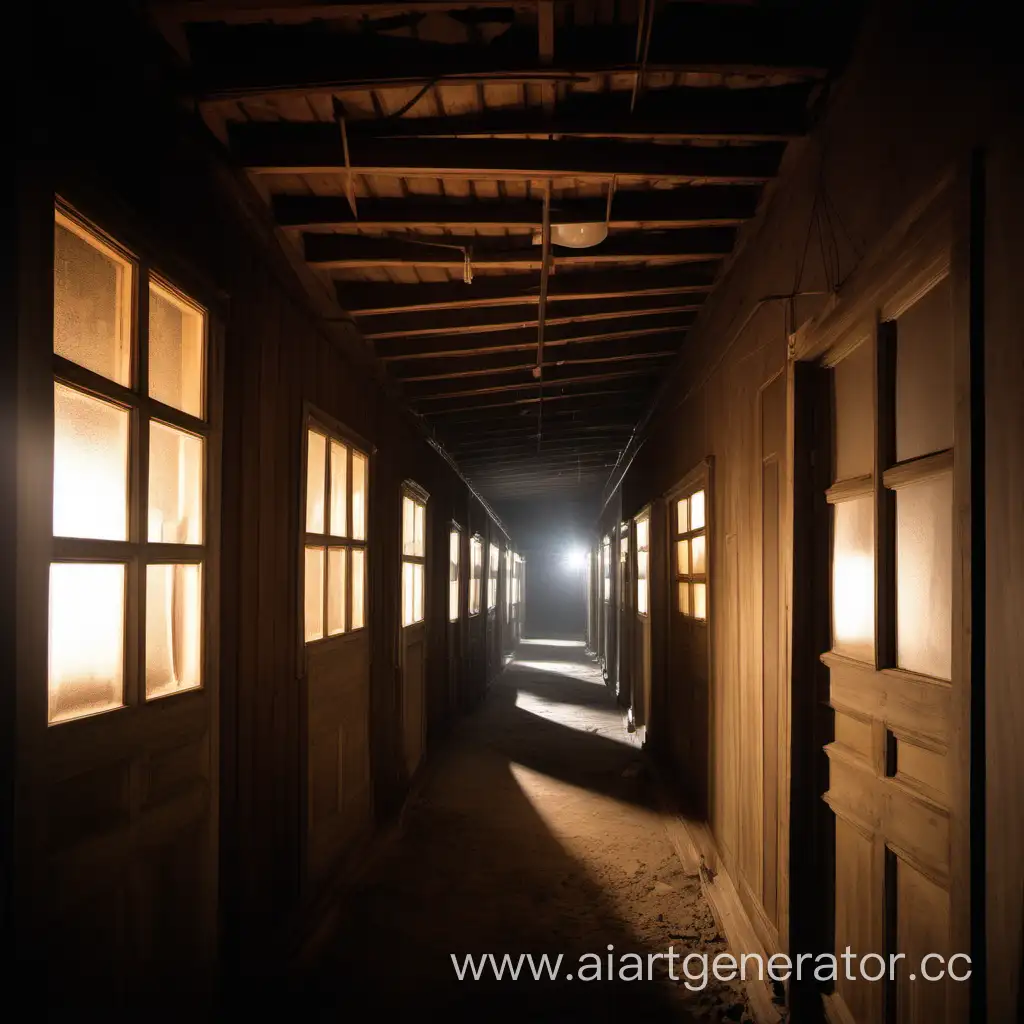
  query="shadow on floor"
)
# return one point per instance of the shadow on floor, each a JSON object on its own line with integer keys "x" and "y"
{"x": 534, "y": 832}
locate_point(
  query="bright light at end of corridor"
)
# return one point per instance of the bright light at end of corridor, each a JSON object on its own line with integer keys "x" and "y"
{"x": 574, "y": 559}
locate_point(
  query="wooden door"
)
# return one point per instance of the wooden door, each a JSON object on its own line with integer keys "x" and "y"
{"x": 476, "y": 620}
{"x": 335, "y": 661}
{"x": 456, "y": 615}
{"x": 118, "y": 569}
{"x": 413, "y": 656}
{"x": 641, "y": 624}
{"x": 894, "y": 667}
{"x": 606, "y": 604}
{"x": 623, "y": 682}
{"x": 687, "y": 700}
{"x": 493, "y": 622}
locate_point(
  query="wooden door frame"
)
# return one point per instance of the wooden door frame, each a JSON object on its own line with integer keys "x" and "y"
{"x": 411, "y": 489}
{"x": 646, "y": 511}
{"x": 702, "y": 473}
{"x": 41, "y": 751}
{"x": 939, "y": 235}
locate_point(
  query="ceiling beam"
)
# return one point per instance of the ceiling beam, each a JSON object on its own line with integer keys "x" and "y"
{"x": 315, "y": 147}
{"x": 622, "y": 397}
{"x": 462, "y": 434}
{"x": 722, "y": 206}
{"x": 529, "y": 446}
{"x": 510, "y": 435}
{"x": 350, "y": 252}
{"x": 260, "y": 59}
{"x": 282, "y": 12}
{"x": 448, "y": 369}
{"x": 498, "y": 318}
{"x": 774, "y": 114}
{"x": 367, "y": 298}
{"x": 521, "y": 339}
{"x": 434, "y": 390}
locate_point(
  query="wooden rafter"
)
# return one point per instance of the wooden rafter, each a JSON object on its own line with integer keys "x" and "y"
{"x": 679, "y": 114}
{"x": 523, "y": 339}
{"x": 629, "y": 397}
{"x": 311, "y": 147}
{"x": 422, "y": 370}
{"x": 348, "y": 252}
{"x": 723, "y": 206}
{"x": 433, "y": 391}
{"x": 264, "y": 58}
{"x": 481, "y": 321}
{"x": 367, "y": 298}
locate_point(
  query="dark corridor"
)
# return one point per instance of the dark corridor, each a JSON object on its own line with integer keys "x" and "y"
{"x": 513, "y": 477}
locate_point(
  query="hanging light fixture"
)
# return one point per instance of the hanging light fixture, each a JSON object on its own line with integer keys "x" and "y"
{"x": 579, "y": 236}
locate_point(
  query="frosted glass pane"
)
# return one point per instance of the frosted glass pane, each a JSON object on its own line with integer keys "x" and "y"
{"x": 697, "y": 510}
{"x": 700, "y": 601}
{"x": 86, "y": 670}
{"x": 641, "y": 534}
{"x": 407, "y": 593}
{"x": 641, "y": 596}
{"x": 453, "y": 601}
{"x": 853, "y": 578}
{"x": 924, "y": 576}
{"x": 417, "y": 609}
{"x": 90, "y": 466}
{"x": 314, "y": 587}
{"x": 339, "y": 490}
{"x": 359, "y": 473}
{"x": 316, "y": 481}
{"x": 421, "y": 542}
{"x": 175, "y": 485}
{"x": 174, "y": 607}
{"x": 924, "y": 375}
{"x": 408, "y": 527}
{"x": 358, "y": 566}
{"x": 681, "y": 526}
{"x": 698, "y": 547}
{"x": 92, "y": 300}
{"x": 683, "y": 557}
{"x": 177, "y": 332}
{"x": 683, "y": 598}
{"x": 453, "y": 555}
{"x": 855, "y": 420}
{"x": 336, "y": 591}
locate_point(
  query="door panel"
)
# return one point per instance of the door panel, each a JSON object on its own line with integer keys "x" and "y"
{"x": 338, "y": 802}
{"x": 773, "y": 453}
{"x": 624, "y": 612}
{"x": 413, "y": 694}
{"x": 891, "y": 677}
{"x": 687, "y": 702}
{"x": 641, "y": 624}
{"x": 413, "y": 644}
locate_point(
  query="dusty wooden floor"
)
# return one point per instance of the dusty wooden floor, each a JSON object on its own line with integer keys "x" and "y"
{"x": 535, "y": 831}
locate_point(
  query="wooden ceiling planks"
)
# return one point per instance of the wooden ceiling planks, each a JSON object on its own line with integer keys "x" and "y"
{"x": 458, "y": 118}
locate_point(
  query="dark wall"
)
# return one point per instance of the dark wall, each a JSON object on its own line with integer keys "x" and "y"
{"x": 127, "y": 155}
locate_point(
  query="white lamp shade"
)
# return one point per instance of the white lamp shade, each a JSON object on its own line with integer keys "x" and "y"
{"x": 578, "y": 236}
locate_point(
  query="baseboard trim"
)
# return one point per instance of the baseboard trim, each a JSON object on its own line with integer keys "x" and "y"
{"x": 696, "y": 848}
